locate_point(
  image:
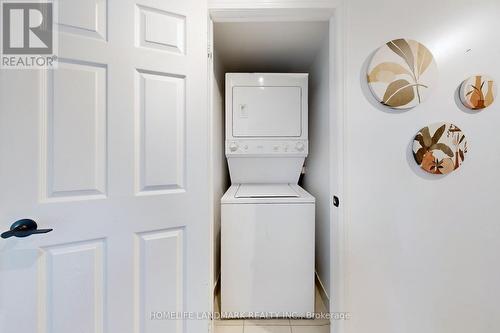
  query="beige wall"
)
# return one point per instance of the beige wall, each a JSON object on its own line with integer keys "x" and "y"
{"x": 317, "y": 177}
{"x": 422, "y": 251}
{"x": 220, "y": 176}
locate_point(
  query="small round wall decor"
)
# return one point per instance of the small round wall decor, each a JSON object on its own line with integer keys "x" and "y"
{"x": 401, "y": 73}
{"x": 478, "y": 92}
{"x": 440, "y": 148}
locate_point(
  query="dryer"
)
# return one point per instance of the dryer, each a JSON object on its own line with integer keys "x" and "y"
{"x": 267, "y": 220}
{"x": 266, "y": 127}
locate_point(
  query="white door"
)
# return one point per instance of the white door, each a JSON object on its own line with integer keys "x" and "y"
{"x": 109, "y": 150}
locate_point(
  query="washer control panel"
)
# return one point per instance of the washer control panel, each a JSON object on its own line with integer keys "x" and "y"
{"x": 266, "y": 147}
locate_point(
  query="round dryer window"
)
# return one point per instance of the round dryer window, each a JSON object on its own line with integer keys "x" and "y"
{"x": 402, "y": 73}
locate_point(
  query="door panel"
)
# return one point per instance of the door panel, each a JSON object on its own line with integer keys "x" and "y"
{"x": 161, "y": 30}
{"x": 74, "y": 131}
{"x": 161, "y": 142}
{"x": 85, "y": 18}
{"x": 73, "y": 271}
{"x": 108, "y": 150}
{"x": 160, "y": 266}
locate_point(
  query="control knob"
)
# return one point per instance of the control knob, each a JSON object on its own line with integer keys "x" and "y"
{"x": 300, "y": 146}
{"x": 233, "y": 146}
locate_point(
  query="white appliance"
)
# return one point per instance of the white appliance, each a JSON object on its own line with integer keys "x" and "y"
{"x": 267, "y": 226}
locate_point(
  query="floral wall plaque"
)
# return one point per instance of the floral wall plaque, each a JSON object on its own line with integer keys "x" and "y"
{"x": 440, "y": 148}
{"x": 401, "y": 73}
{"x": 478, "y": 92}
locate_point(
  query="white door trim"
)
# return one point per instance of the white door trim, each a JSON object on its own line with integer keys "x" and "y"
{"x": 267, "y": 4}
{"x": 210, "y": 79}
{"x": 271, "y": 10}
{"x": 333, "y": 11}
{"x": 338, "y": 155}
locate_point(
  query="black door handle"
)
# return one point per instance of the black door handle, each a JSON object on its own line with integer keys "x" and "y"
{"x": 24, "y": 228}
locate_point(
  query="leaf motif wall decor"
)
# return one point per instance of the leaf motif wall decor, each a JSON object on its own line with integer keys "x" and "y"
{"x": 478, "y": 92}
{"x": 402, "y": 73}
{"x": 440, "y": 148}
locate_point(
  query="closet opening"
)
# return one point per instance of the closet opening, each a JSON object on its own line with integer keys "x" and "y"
{"x": 279, "y": 46}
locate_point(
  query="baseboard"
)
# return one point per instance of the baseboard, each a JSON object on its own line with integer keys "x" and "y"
{"x": 322, "y": 292}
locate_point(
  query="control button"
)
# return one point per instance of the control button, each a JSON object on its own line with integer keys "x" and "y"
{"x": 276, "y": 147}
{"x": 233, "y": 146}
{"x": 285, "y": 147}
{"x": 299, "y": 146}
{"x": 245, "y": 147}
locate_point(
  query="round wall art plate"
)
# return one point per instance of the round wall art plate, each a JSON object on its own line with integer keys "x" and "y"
{"x": 402, "y": 73}
{"x": 440, "y": 148}
{"x": 478, "y": 92}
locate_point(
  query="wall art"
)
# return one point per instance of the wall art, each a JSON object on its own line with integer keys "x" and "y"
{"x": 440, "y": 148}
{"x": 478, "y": 92}
{"x": 402, "y": 73}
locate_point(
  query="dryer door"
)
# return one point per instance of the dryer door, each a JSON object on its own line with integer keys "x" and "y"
{"x": 267, "y": 111}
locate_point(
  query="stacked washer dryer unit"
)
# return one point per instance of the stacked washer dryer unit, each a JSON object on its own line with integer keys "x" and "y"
{"x": 267, "y": 227}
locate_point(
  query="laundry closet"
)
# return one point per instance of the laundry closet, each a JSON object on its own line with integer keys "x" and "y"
{"x": 284, "y": 162}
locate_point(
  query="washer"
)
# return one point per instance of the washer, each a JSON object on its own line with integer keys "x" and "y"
{"x": 267, "y": 242}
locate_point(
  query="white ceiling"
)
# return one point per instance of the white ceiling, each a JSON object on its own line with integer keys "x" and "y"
{"x": 268, "y": 46}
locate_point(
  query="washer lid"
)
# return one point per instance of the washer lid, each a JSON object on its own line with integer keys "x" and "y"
{"x": 265, "y": 191}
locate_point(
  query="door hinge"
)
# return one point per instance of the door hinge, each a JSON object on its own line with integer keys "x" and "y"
{"x": 209, "y": 52}
{"x": 336, "y": 201}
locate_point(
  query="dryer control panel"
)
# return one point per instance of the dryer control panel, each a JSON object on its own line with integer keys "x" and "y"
{"x": 267, "y": 147}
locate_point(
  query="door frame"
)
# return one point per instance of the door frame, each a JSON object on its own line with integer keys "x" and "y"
{"x": 333, "y": 11}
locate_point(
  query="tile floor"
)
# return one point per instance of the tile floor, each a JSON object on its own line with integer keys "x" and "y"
{"x": 274, "y": 325}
